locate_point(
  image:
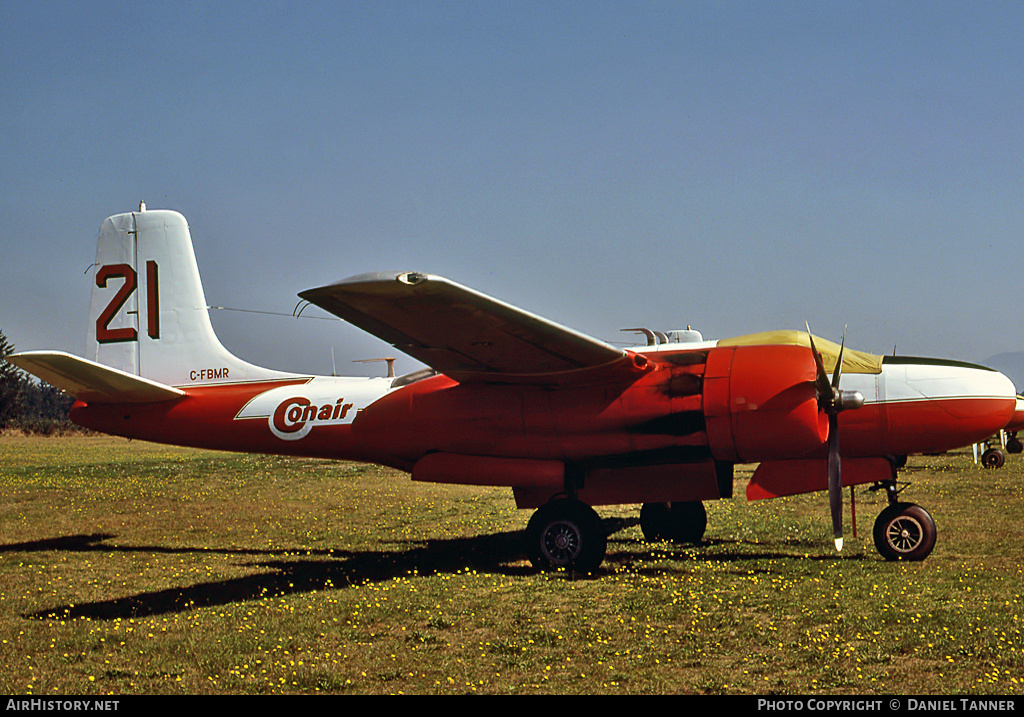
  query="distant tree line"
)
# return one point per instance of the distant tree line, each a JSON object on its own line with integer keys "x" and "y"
{"x": 30, "y": 405}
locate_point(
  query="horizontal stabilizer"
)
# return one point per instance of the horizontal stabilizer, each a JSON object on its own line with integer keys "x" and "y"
{"x": 462, "y": 333}
{"x": 92, "y": 382}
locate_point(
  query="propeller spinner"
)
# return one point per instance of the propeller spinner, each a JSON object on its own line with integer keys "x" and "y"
{"x": 833, "y": 401}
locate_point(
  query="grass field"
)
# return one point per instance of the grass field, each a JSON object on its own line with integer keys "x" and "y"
{"x": 127, "y": 568}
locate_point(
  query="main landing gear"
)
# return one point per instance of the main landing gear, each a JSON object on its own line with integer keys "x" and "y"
{"x": 566, "y": 534}
{"x": 676, "y": 522}
{"x": 903, "y": 531}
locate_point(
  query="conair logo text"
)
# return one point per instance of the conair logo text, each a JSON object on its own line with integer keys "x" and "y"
{"x": 291, "y": 412}
{"x": 295, "y": 417}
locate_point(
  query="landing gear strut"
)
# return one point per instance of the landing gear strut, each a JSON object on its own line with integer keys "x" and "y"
{"x": 904, "y": 531}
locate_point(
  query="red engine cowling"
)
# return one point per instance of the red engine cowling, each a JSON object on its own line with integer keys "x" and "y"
{"x": 760, "y": 403}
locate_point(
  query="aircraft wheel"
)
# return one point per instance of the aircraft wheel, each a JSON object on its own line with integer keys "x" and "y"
{"x": 679, "y": 522}
{"x": 993, "y": 458}
{"x": 566, "y": 534}
{"x": 905, "y": 531}
{"x": 1014, "y": 445}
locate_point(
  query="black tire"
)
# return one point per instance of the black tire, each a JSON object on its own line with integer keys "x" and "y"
{"x": 566, "y": 535}
{"x": 993, "y": 458}
{"x": 690, "y": 521}
{"x": 683, "y": 522}
{"x": 1014, "y": 445}
{"x": 905, "y": 531}
{"x": 654, "y": 521}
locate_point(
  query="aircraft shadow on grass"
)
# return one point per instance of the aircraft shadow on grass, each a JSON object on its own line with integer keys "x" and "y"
{"x": 298, "y": 571}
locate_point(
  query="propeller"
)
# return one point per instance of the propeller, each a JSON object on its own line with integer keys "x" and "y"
{"x": 833, "y": 401}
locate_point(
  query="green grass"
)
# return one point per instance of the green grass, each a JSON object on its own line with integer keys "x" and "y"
{"x": 127, "y": 567}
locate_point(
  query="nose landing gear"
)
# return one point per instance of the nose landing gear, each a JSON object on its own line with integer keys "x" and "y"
{"x": 903, "y": 531}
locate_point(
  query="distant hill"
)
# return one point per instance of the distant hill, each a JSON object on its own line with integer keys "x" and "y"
{"x": 1011, "y": 364}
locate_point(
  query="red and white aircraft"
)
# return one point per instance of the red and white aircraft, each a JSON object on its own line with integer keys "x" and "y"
{"x": 512, "y": 399}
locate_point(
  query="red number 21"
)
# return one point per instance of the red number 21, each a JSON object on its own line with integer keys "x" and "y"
{"x": 107, "y": 335}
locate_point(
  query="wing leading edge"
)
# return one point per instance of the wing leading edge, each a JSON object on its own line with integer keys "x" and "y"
{"x": 466, "y": 335}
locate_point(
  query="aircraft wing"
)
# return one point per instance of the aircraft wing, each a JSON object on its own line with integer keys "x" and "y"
{"x": 464, "y": 334}
{"x": 91, "y": 382}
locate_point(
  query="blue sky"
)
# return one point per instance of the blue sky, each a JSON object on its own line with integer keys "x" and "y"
{"x": 734, "y": 166}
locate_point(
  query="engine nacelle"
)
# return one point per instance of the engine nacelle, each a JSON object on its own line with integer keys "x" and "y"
{"x": 760, "y": 403}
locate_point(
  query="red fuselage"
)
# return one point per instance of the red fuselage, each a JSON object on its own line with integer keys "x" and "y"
{"x": 675, "y": 417}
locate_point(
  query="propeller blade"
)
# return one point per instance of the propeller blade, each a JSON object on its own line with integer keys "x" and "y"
{"x": 821, "y": 382}
{"x": 835, "y": 480}
{"x": 831, "y": 400}
{"x": 839, "y": 363}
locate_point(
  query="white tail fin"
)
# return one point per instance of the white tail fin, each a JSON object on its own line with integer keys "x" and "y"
{"x": 148, "y": 315}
